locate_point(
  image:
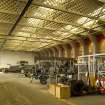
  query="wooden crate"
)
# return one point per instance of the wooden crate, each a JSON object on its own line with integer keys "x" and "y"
{"x": 62, "y": 91}
{"x": 52, "y": 89}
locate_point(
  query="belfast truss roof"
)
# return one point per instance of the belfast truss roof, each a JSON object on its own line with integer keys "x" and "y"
{"x": 32, "y": 25}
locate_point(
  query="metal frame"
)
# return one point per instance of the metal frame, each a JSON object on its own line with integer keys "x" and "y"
{"x": 92, "y": 65}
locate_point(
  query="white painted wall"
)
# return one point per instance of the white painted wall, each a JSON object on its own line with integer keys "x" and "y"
{"x": 11, "y": 58}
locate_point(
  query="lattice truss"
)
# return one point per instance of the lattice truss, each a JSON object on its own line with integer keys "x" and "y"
{"x": 48, "y": 22}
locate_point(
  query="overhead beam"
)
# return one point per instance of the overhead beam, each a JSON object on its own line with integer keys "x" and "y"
{"x": 28, "y": 40}
{"x": 21, "y": 15}
{"x": 50, "y": 29}
{"x": 46, "y": 46}
{"x": 35, "y": 39}
{"x": 62, "y": 10}
{"x": 66, "y": 38}
{"x": 65, "y": 11}
{"x": 31, "y": 37}
{"x": 11, "y": 13}
{"x": 60, "y": 22}
{"x": 18, "y": 20}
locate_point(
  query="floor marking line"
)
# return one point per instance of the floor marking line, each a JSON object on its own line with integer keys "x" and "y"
{"x": 70, "y": 103}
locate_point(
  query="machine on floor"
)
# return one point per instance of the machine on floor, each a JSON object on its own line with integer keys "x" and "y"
{"x": 57, "y": 70}
{"x": 91, "y": 69}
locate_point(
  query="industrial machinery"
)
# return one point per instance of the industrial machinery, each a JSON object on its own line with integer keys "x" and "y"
{"x": 59, "y": 70}
{"x": 12, "y": 69}
{"x": 91, "y": 69}
{"x": 22, "y": 67}
{"x": 65, "y": 71}
{"x": 25, "y": 68}
{"x": 100, "y": 81}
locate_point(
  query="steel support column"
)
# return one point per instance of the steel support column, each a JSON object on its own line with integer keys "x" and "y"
{"x": 60, "y": 51}
{"x": 94, "y": 40}
{"x": 73, "y": 55}
{"x": 84, "y": 45}
{"x": 67, "y": 50}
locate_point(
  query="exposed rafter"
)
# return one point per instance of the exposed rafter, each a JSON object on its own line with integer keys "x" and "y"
{"x": 19, "y": 18}
{"x": 60, "y": 22}
{"x": 49, "y": 22}
{"x": 65, "y": 11}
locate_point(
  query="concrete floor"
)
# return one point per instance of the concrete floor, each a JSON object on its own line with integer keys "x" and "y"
{"x": 88, "y": 100}
{"x": 15, "y": 90}
{"x": 19, "y": 91}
